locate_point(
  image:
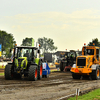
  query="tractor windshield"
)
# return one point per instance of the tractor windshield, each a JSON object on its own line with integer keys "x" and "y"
{"x": 71, "y": 55}
{"x": 23, "y": 52}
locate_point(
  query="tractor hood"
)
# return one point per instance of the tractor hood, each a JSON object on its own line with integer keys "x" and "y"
{"x": 21, "y": 62}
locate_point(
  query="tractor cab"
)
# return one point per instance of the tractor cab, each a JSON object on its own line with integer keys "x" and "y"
{"x": 26, "y": 53}
{"x": 68, "y": 60}
{"x": 88, "y": 64}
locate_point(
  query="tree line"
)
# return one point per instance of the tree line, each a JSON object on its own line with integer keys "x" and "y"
{"x": 8, "y": 42}
{"x": 46, "y": 44}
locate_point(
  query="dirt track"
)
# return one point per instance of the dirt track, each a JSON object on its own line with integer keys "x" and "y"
{"x": 58, "y": 84}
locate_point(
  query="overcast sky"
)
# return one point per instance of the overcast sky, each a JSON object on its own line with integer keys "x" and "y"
{"x": 70, "y": 23}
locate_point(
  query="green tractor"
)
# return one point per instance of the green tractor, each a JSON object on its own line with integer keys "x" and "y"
{"x": 25, "y": 62}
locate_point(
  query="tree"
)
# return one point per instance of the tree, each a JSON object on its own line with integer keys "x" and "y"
{"x": 46, "y": 44}
{"x": 7, "y": 41}
{"x": 27, "y": 42}
{"x": 95, "y": 41}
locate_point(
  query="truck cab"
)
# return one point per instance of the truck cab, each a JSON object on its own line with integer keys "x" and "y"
{"x": 88, "y": 63}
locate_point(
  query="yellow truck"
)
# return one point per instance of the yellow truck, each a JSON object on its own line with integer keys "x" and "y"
{"x": 88, "y": 64}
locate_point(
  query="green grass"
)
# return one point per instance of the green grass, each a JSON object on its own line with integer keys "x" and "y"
{"x": 1, "y": 74}
{"x": 93, "y": 95}
{"x": 54, "y": 70}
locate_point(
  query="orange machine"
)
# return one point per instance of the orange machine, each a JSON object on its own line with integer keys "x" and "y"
{"x": 88, "y": 64}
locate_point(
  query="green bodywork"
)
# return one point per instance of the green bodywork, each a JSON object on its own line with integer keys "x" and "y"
{"x": 36, "y": 60}
{"x": 16, "y": 62}
{"x": 22, "y": 63}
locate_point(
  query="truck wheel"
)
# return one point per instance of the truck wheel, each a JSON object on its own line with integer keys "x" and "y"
{"x": 32, "y": 74}
{"x": 9, "y": 72}
{"x": 40, "y": 70}
{"x": 75, "y": 76}
{"x": 95, "y": 74}
{"x": 61, "y": 66}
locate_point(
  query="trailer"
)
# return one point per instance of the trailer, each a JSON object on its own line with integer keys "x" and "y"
{"x": 46, "y": 70}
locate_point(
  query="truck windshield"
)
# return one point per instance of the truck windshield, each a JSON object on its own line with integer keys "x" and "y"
{"x": 90, "y": 51}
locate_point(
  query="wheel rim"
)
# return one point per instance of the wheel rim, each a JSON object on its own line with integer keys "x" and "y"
{"x": 98, "y": 72}
{"x": 36, "y": 73}
{"x": 40, "y": 70}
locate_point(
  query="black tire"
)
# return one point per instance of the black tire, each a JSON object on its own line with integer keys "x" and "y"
{"x": 61, "y": 66}
{"x": 95, "y": 74}
{"x": 9, "y": 72}
{"x": 40, "y": 71}
{"x": 75, "y": 76}
{"x": 33, "y": 73}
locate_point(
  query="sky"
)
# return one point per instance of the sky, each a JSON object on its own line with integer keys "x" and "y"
{"x": 70, "y": 23}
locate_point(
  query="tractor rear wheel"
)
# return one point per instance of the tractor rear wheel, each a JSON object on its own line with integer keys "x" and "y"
{"x": 40, "y": 70}
{"x": 75, "y": 76}
{"x": 95, "y": 74}
{"x": 33, "y": 73}
{"x": 9, "y": 72}
{"x": 61, "y": 66}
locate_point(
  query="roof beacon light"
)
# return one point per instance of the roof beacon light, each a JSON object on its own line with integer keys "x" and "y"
{"x": 84, "y": 44}
{"x": 93, "y": 44}
{"x": 15, "y": 44}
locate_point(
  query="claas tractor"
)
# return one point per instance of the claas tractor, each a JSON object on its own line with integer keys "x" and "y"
{"x": 69, "y": 59}
{"x": 25, "y": 62}
{"x": 88, "y": 64}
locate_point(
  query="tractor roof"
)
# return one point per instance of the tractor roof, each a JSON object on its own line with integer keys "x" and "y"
{"x": 26, "y": 47}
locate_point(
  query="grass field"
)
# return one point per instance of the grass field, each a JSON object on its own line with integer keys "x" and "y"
{"x": 93, "y": 95}
{"x": 1, "y": 74}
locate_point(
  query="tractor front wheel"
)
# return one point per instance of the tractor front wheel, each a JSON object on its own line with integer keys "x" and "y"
{"x": 33, "y": 73}
{"x": 75, "y": 76}
{"x": 9, "y": 72}
{"x": 61, "y": 66}
{"x": 95, "y": 74}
